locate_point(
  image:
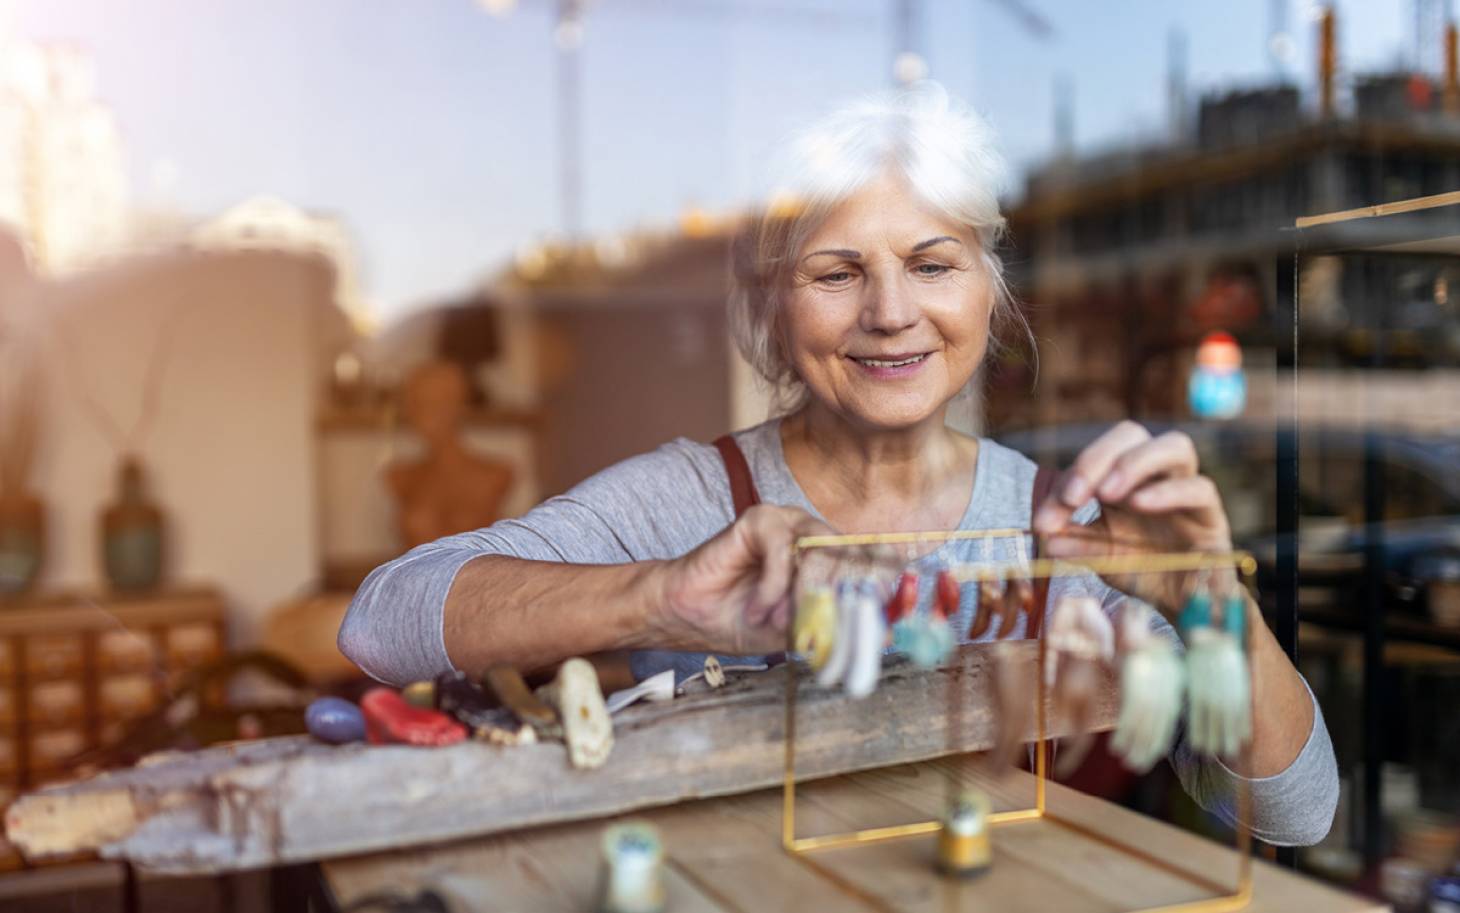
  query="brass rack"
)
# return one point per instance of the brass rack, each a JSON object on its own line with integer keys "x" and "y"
{"x": 1225, "y": 898}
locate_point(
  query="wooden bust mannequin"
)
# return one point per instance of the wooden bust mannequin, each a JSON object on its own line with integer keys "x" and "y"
{"x": 449, "y": 490}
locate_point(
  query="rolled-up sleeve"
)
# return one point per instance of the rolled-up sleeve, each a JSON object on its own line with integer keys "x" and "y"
{"x": 655, "y": 505}
{"x": 1294, "y": 807}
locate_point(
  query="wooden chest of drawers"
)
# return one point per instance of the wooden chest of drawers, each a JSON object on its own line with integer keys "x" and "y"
{"x": 75, "y": 669}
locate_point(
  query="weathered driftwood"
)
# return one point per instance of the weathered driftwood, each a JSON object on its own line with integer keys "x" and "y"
{"x": 293, "y": 799}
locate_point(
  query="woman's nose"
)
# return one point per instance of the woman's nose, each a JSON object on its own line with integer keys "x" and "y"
{"x": 889, "y": 307}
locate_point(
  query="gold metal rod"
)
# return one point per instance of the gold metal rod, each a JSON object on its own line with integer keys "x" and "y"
{"x": 1136, "y": 563}
{"x": 1244, "y": 788}
{"x": 1383, "y": 209}
{"x": 1016, "y": 816}
{"x": 1109, "y": 564}
{"x": 1226, "y": 903}
{"x": 899, "y": 831}
{"x": 870, "y": 835}
{"x": 1041, "y": 745}
{"x": 788, "y": 795}
{"x": 838, "y": 540}
{"x": 941, "y": 535}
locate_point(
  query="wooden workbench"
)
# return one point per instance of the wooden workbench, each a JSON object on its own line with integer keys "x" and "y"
{"x": 724, "y": 854}
{"x": 517, "y": 829}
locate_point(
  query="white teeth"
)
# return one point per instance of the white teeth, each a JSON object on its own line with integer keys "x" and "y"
{"x": 879, "y": 363}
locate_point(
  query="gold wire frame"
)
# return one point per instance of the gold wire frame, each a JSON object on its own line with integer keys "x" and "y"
{"x": 1225, "y": 897}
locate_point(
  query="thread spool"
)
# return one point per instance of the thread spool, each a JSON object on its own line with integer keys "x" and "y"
{"x": 631, "y": 872}
{"x": 964, "y": 850}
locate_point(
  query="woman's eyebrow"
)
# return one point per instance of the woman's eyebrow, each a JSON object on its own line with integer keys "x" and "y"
{"x": 924, "y": 245}
{"x": 849, "y": 254}
{"x": 844, "y": 253}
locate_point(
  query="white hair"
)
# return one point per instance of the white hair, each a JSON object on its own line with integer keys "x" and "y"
{"x": 944, "y": 151}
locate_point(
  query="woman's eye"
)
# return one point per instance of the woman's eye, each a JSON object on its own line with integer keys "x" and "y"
{"x": 836, "y": 278}
{"x": 931, "y": 269}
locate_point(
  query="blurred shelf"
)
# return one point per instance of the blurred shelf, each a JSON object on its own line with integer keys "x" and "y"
{"x": 1408, "y": 630}
{"x": 382, "y": 418}
{"x": 36, "y": 884}
{"x": 55, "y": 611}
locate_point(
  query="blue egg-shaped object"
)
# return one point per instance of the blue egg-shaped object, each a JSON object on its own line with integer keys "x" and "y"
{"x": 334, "y": 720}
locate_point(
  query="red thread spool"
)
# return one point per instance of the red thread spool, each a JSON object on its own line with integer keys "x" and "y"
{"x": 905, "y": 599}
{"x": 948, "y": 595}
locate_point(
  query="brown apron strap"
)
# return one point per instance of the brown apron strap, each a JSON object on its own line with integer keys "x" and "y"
{"x": 743, "y": 495}
{"x": 1044, "y": 479}
{"x": 742, "y": 487}
{"x": 1043, "y": 484}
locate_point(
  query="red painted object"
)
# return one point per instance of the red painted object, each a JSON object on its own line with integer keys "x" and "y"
{"x": 946, "y": 603}
{"x": 904, "y": 600}
{"x": 389, "y": 719}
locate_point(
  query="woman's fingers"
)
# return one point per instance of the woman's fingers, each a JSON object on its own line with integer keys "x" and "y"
{"x": 1009, "y": 616}
{"x": 1076, "y": 545}
{"x": 770, "y": 539}
{"x": 1195, "y": 495}
{"x": 986, "y": 600}
{"x": 781, "y": 616}
{"x": 1079, "y": 483}
{"x": 1173, "y": 455}
{"x": 771, "y": 535}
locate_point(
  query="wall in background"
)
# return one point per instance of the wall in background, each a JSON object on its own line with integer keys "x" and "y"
{"x": 230, "y": 452}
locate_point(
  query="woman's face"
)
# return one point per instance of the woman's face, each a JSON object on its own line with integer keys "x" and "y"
{"x": 887, "y": 316}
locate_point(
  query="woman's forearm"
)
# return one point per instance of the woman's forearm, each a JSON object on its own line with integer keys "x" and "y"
{"x": 1282, "y": 707}
{"x": 534, "y": 614}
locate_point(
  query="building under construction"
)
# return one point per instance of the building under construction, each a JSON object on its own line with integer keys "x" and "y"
{"x": 1125, "y": 260}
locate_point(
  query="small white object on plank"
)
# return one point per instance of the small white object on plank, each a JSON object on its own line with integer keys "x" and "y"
{"x": 659, "y": 687}
{"x": 587, "y": 729}
{"x": 289, "y": 800}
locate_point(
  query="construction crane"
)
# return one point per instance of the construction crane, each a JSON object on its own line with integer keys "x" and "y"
{"x": 909, "y": 58}
{"x": 909, "y": 63}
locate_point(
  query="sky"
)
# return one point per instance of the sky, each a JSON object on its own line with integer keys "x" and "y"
{"x": 428, "y": 127}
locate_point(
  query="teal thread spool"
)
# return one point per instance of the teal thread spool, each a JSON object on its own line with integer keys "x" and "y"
{"x": 927, "y": 641}
{"x": 1197, "y": 613}
{"x": 1234, "y": 616}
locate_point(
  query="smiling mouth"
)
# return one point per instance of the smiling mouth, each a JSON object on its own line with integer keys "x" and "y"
{"x": 896, "y": 362}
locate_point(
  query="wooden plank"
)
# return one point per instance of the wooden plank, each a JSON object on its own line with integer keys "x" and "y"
{"x": 730, "y": 848}
{"x": 289, "y": 800}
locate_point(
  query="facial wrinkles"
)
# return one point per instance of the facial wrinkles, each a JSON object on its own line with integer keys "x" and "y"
{"x": 884, "y": 276}
{"x": 894, "y": 294}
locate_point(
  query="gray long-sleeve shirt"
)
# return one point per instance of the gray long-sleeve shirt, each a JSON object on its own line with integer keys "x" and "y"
{"x": 663, "y": 504}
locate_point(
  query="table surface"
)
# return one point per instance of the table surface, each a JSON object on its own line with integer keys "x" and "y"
{"x": 724, "y": 854}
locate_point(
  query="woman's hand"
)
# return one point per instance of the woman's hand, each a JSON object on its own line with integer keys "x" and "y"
{"x": 1152, "y": 499}
{"x": 733, "y": 593}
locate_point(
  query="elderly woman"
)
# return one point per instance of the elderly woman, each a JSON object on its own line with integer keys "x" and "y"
{"x": 869, "y": 305}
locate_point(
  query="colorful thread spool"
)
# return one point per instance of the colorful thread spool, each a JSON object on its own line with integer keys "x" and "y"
{"x": 964, "y": 849}
{"x": 631, "y": 872}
